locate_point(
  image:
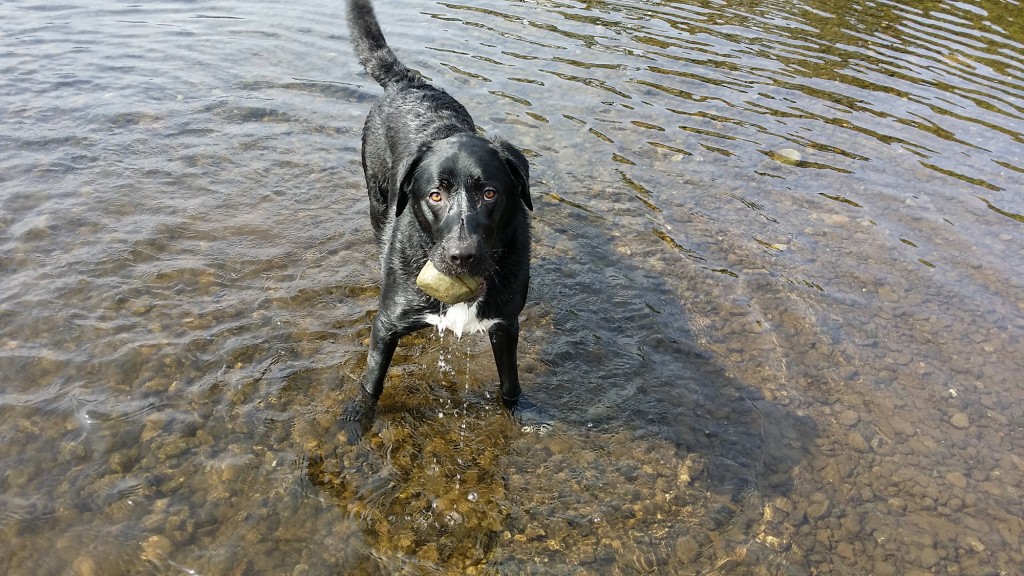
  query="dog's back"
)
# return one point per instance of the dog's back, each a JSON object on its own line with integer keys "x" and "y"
{"x": 410, "y": 113}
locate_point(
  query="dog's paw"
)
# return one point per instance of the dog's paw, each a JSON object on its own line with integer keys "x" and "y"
{"x": 353, "y": 431}
{"x": 357, "y": 417}
{"x": 531, "y": 418}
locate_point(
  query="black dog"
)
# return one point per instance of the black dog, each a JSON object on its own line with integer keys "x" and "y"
{"x": 439, "y": 191}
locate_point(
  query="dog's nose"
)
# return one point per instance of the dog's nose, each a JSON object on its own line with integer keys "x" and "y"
{"x": 462, "y": 253}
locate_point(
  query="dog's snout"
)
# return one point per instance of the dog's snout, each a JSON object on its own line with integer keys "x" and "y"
{"x": 462, "y": 253}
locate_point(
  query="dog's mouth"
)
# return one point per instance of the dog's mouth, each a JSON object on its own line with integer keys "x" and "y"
{"x": 464, "y": 276}
{"x": 480, "y": 291}
{"x": 448, "y": 269}
{"x": 478, "y": 267}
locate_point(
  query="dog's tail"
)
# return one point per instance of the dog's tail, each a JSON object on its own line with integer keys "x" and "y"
{"x": 371, "y": 48}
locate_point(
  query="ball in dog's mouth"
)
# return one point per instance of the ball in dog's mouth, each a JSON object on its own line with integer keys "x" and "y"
{"x": 447, "y": 289}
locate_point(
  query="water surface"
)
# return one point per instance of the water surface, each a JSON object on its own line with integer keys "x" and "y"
{"x": 776, "y": 313}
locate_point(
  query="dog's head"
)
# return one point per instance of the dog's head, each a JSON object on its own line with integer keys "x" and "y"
{"x": 466, "y": 193}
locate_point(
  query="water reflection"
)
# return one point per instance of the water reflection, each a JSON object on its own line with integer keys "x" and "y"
{"x": 792, "y": 68}
{"x": 670, "y": 465}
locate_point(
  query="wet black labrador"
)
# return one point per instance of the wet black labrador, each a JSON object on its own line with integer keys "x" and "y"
{"x": 438, "y": 190}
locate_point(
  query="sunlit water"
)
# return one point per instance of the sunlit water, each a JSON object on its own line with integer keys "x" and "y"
{"x": 777, "y": 305}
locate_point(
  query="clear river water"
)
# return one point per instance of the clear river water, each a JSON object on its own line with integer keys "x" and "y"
{"x": 777, "y": 308}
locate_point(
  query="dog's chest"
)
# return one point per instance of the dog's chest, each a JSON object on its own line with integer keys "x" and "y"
{"x": 460, "y": 319}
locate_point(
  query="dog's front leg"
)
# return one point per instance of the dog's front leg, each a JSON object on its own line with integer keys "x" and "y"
{"x": 383, "y": 342}
{"x": 504, "y": 343}
{"x": 357, "y": 416}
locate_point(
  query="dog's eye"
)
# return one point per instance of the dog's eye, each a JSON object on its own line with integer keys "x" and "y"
{"x": 435, "y": 196}
{"x": 490, "y": 194}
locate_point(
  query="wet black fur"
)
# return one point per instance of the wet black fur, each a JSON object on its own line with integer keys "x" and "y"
{"x": 418, "y": 141}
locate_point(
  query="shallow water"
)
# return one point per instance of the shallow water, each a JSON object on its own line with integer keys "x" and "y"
{"x": 776, "y": 312}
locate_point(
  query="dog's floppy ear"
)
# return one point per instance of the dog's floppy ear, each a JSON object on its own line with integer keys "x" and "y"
{"x": 517, "y": 166}
{"x": 402, "y": 179}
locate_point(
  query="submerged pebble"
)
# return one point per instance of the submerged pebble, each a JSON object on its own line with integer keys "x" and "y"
{"x": 960, "y": 420}
{"x": 84, "y": 566}
{"x": 155, "y": 548}
{"x": 787, "y": 156}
